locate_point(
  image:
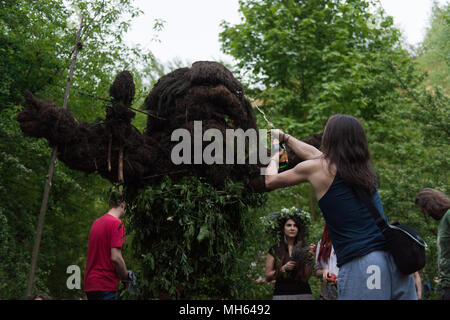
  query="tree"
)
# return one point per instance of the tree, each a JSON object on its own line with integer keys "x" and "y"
{"x": 434, "y": 52}
{"x": 417, "y": 152}
{"x": 306, "y": 60}
{"x": 310, "y": 58}
{"x": 36, "y": 38}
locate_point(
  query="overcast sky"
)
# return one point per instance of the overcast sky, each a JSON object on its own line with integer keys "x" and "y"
{"x": 191, "y": 29}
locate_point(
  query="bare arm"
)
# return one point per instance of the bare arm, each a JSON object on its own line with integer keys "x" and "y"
{"x": 271, "y": 272}
{"x": 319, "y": 273}
{"x": 119, "y": 263}
{"x": 303, "y": 150}
{"x": 270, "y": 268}
{"x": 300, "y": 173}
{"x": 418, "y": 283}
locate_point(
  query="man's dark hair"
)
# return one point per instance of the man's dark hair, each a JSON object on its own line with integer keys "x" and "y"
{"x": 115, "y": 199}
{"x": 434, "y": 202}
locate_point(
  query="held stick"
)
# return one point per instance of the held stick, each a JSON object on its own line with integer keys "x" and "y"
{"x": 264, "y": 115}
{"x": 281, "y": 146}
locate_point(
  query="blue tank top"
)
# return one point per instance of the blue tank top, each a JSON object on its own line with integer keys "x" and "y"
{"x": 352, "y": 228}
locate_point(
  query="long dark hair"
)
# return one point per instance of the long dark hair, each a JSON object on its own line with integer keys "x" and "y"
{"x": 344, "y": 144}
{"x": 434, "y": 202}
{"x": 282, "y": 252}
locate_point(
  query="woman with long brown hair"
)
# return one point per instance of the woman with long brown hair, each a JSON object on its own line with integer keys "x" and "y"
{"x": 283, "y": 265}
{"x": 366, "y": 270}
{"x": 436, "y": 204}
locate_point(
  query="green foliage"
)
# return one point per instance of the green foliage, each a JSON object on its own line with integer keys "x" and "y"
{"x": 36, "y": 42}
{"x": 22, "y": 182}
{"x": 411, "y": 143}
{"x": 410, "y": 147}
{"x": 309, "y": 59}
{"x": 301, "y": 60}
{"x": 192, "y": 239}
{"x": 434, "y": 54}
{"x": 29, "y": 57}
{"x": 272, "y": 223}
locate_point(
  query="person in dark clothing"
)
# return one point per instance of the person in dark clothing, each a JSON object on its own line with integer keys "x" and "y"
{"x": 366, "y": 270}
{"x": 290, "y": 262}
{"x": 436, "y": 204}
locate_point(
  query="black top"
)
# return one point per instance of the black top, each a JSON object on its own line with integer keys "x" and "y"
{"x": 285, "y": 284}
{"x": 350, "y": 224}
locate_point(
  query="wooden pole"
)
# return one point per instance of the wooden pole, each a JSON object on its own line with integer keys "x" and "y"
{"x": 51, "y": 169}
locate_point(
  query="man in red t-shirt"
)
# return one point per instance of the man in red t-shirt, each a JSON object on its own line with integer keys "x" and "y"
{"x": 105, "y": 266}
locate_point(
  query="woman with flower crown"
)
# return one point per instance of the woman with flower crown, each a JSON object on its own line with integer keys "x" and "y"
{"x": 290, "y": 262}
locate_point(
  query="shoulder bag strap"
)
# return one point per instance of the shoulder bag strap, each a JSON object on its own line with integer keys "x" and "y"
{"x": 364, "y": 197}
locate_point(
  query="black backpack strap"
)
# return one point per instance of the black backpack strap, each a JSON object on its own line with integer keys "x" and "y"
{"x": 365, "y": 197}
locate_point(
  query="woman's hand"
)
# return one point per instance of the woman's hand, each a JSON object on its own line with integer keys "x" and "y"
{"x": 289, "y": 266}
{"x": 312, "y": 249}
{"x": 332, "y": 279}
{"x": 326, "y": 275}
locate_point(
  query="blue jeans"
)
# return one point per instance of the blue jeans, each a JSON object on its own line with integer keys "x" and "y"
{"x": 101, "y": 295}
{"x": 374, "y": 276}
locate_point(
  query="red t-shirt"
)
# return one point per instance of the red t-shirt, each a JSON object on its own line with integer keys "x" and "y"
{"x": 106, "y": 232}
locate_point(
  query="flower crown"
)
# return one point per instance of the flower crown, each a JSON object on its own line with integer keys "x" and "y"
{"x": 272, "y": 222}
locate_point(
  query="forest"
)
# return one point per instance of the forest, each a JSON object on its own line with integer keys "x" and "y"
{"x": 299, "y": 62}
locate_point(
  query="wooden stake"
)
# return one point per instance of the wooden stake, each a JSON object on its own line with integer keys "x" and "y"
{"x": 120, "y": 173}
{"x": 51, "y": 169}
{"x": 109, "y": 152}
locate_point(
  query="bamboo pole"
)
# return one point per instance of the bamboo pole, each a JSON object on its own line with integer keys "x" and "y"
{"x": 51, "y": 169}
